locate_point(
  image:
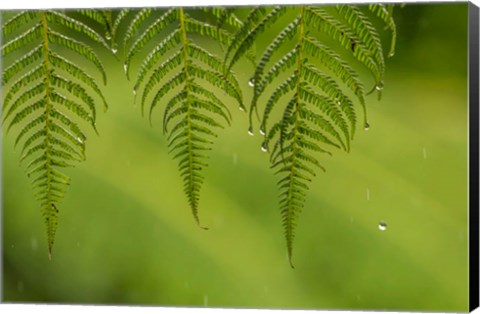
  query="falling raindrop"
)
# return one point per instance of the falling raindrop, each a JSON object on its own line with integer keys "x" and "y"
{"x": 34, "y": 244}
{"x": 264, "y": 147}
{"x": 366, "y": 127}
{"x": 424, "y": 153}
{"x": 382, "y": 225}
{"x": 250, "y": 131}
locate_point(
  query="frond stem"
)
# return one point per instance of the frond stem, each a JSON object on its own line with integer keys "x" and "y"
{"x": 191, "y": 183}
{"x": 48, "y": 108}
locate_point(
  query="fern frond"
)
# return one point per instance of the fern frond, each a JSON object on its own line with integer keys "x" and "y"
{"x": 46, "y": 120}
{"x": 310, "y": 85}
{"x": 179, "y": 74}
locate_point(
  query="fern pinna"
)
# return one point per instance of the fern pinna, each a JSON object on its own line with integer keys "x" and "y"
{"x": 49, "y": 95}
{"x": 181, "y": 76}
{"x": 307, "y": 87}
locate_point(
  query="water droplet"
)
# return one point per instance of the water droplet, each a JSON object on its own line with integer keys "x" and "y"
{"x": 134, "y": 92}
{"x": 241, "y": 108}
{"x": 366, "y": 127}
{"x": 424, "y": 153}
{"x": 262, "y": 130}
{"x": 114, "y": 50}
{"x": 264, "y": 147}
{"x": 125, "y": 67}
{"x": 108, "y": 36}
{"x": 205, "y": 300}
{"x": 379, "y": 86}
{"x": 368, "y": 194}
{"x": 391, "y": 54}
{"x": 251, "y": 83}
{"x": 382, "y": 226}
{"x": 250, "y": 131}
{"x": 79, "y": 140}
{"x": 339, "y": 102}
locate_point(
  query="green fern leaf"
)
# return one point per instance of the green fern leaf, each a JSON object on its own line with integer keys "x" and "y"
{"x": 33, "y": 104}
{"x": 311, "y": 86}
{"x": 179, "y": 74}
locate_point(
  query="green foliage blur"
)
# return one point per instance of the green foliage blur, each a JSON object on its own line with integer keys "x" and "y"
{"x": 126, "y": 234}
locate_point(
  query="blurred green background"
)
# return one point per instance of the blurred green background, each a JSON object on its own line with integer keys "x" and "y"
{"x": 127, "y": 236}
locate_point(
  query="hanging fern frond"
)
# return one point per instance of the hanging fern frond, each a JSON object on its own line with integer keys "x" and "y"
{"x": 178, "y": 75}
{"x": 309, "y": 107}
{"x": 47, "y": 98}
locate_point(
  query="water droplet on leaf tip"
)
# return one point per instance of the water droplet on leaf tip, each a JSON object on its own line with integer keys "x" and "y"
{"x": 250, "y": 131}
{"x": 378, "y": 87}
{"x": 366, "y": 126}
{"x": 264, "y": 147}
{"x": 241, "y": 108}
{"x": 251, "y": 83}
{"x": 134, "y": 92}
{"x": 391, "y": 54}
{"x": 125, "y": 67}
{"x": 262, "y": 131}
{"x": 382, "y": 226}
